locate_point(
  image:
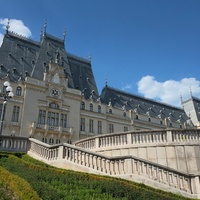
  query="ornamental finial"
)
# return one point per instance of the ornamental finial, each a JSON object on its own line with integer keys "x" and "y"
{"x": 8, "y": 25}
{"x": 45, "y": 26}
{"x": 64, "y": 34}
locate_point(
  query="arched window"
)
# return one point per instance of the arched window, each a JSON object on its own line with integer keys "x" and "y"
{"x": 51, "y": 141}
{"x": 18, "y": 91}
{"x": 149, "y": 119}
{"x": 82, "y": 106}
{"x": 91, "y": 107}
{"x": 124, "y": 114}
{"x": 136, "y": 117}
{"x": 99, "y": 109}
{"x": 110, "y": 111}
{"x": 57, "y": 141}
{"x": 54, "y": 105}
{"x": 44, "y": 140}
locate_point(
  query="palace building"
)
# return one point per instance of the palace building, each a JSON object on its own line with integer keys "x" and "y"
{"x": 56, "y": 98}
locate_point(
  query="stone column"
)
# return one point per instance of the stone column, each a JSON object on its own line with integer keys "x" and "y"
{"x": 195, "y": 186}
{"x": 129, "y": 138}
{"x": 60, "y": 152}
{"x": 128, "y": 166}
{"x": 169, "y": 136}
{"x": 97, "y": 143}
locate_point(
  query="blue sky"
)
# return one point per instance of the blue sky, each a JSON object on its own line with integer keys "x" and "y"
{"x": 146, "y": 47}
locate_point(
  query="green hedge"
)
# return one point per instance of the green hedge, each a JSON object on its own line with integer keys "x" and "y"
{"x": 17, "y": 187}
{"x": 56, "y": 184}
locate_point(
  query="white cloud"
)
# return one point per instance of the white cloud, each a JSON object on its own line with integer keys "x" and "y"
{"x": 16, "y": 26}
{"x": 127, "y": 86}
{"x": 170, "y": 90}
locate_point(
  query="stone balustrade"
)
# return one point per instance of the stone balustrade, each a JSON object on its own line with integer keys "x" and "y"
{"x": 46, "y": 151}
{"x": 140, "y": 137}
{"x": 13, "y": 143}
{"x": 121, "y": 166}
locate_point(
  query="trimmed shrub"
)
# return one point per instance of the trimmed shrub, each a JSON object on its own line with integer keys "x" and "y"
{"x": 56, "y": 184}
{"x": 16, "y": 186}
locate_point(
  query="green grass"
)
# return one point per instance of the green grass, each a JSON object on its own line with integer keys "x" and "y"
{"x": 52, "y": 183}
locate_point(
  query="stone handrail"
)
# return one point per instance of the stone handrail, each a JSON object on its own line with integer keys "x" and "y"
{"x": 13, "y": 143}
{"x": 121, "y": 166}
{"x": 140, "y": 137}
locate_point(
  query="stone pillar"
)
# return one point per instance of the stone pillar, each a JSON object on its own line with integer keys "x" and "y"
{"x": 169, "y": 136}
{"x": 128, "y": 166}
{"x": 129, "y": 138}
{"x": 60, "y": 152}
{"x": 195, "y": 186}
{"x": 97, "y": 142}
{"x": 103, "y": 165}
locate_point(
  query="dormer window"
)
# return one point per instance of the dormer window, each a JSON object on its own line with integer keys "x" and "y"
{"x": 83, "y": 105}
{"x": 110, "y": 111}
{"x": 91, "y": 107}
{"x": 149, "y": 119}
{"x": 99, "y": 109}
{"x": 56, "y": 78}
{"x": 18, "y": 91}
{"x": 54, "y": 105}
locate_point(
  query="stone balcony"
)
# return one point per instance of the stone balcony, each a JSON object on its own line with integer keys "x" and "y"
{"x": 50, "y": 129}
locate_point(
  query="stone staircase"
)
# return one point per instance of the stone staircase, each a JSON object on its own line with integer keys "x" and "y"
{"x": 128, "y": 156}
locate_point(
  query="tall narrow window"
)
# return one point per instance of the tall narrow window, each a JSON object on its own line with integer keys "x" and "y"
{"x": 99, "y": 109}
{"x": 82, "y": 124}
{"x": 18, "y": 91}
{"x": 125, "y": 128}
{"x": 149, "y": 119}
{"x": 41, "y": 117}
{"x": 91, "y": 107}
{"x": 99, "y": 127}
{"x": 44, "y": 140}
{"x": 111, "y": 128}
{"x": 110, "y": 111}
{"x": 63, "y": 120}
{"x": 15, "y": 114}
{"x": 57, "y": 141}
{"x": 82, "y": 106}
{"x": 91, "y": 122}
{"x": 51, "y": 140}
{"x": 52, "y": 119}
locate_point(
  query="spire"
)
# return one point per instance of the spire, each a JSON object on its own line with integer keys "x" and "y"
{"x": 190, "y": 92}
{"x": 181, "y": 97}
{"x": 45, "y": 26}
{"x": 8, "y": 25}
{"x": 64, "y": 34}
{"x": 106, "y": 82}
{"x": 41, "y": 33}
{"x": 90, "y": 56}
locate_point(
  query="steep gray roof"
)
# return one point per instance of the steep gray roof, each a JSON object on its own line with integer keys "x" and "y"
{"x": 21, "y": 57}
{"x": 196, "y": 103}
{"x": 141, "y": 105}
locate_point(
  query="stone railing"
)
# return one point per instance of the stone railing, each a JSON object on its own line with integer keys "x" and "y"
{"x": 140, "y": 137}
{"x": 122, "y": 166}
{"x": 13, "y": 143}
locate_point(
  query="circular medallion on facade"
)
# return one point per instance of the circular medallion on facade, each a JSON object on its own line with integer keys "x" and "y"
{"x": 55, "y": 92}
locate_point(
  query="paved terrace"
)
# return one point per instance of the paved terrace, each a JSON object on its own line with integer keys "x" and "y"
{"x": 83, "y": 157}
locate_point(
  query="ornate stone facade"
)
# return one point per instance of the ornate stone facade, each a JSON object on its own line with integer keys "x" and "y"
{"x": 56, "y": 98}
